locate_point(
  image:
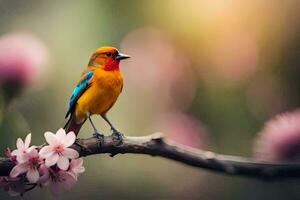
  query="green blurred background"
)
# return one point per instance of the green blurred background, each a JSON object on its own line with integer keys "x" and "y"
{"x": 229, "y": 65}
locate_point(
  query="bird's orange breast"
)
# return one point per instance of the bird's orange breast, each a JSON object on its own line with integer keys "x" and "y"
{"x": 101, "y": 95}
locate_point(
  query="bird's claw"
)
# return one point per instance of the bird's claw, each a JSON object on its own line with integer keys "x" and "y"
{"x": 100, "y": 138}
{"x": 98, "y": 135}
{"x": 117, "y": 137}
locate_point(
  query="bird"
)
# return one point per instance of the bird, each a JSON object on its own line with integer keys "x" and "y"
{"x": 97, "y": 91}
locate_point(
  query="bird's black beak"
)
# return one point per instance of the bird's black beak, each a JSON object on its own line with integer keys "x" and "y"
{"x": 121, "y": 56}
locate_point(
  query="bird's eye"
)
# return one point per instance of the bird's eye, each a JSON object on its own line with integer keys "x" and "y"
{"x": 108, "y": 54}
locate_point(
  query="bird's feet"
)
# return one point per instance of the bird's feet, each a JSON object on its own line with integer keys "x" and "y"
{"x": 98, "y": 135}
{"x": 100, "y": 138}
{"x": 117, "y": 137}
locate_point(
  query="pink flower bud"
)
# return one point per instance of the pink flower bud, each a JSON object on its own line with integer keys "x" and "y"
{"x": 22, "y": 57}
{"x": 280, "y": 139}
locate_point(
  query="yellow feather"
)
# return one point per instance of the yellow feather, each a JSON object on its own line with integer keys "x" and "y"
{"x": 101, "y": 95}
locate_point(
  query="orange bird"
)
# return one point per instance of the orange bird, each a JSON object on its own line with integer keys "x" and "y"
{"x": 97, "y": 90}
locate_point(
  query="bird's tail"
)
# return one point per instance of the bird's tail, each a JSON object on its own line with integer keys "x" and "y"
{"x": 72, "y": 125}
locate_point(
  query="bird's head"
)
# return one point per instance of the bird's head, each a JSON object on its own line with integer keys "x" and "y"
{"x": 107, "y": 58}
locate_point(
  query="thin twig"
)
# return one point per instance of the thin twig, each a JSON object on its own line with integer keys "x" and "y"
{"x": 156, "y": 145}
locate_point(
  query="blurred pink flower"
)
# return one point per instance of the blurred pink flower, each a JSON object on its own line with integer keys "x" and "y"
{"x": 44, "y": 175}
{"x": 57, "y": 152}
{"x": 61, "y": 181}
{"x": 30, "y": 165}
{"x": 13, "y": 186}
{"x": 22, "y": 148}
{"x": 182, "y": 129}
{"x": 76, "y": 167}
{"x": 280, "y": 139}
{"x": 233, "y": 56}
{"x": 163, "y": 70}
{"x": 22, "y": 57}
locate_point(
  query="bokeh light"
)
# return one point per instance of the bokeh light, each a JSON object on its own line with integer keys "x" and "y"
{"x": 157, "y": 68}
{"x": 23, "y": 58}
{"x": 182, "y": 129}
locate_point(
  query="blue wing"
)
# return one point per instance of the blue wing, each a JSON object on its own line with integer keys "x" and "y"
{"x": 78, "y": 91}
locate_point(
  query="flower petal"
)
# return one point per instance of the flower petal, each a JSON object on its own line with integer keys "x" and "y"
{"x": 76, "y": 167}
{"x": 20, "y": 143}
{"x": 33, "y": 153}
{"x": 27, "y": 141}
{"x": 61, "y": 135}
{"x": 70, "y": 153}
{"x": 51, "y": 160}
{"x": 50, "y": 138}
{"x": 46, "y": 151}
{"x": 68, "y": 180}
{"x": 64, "y": 182}
{"x": 45, "y": 175}
{"x": 30, "y": 148}
{"x": 69, "y": 139}
{"x": 80, "y": 169}
{"x": 77, "y": 162}
{"x": 33, "y": 175}
{"x": 56, "y": 188}
{"x": 18, "y": 169}
{"x": 63, "y": 163}
{"x": 22, "y": 158}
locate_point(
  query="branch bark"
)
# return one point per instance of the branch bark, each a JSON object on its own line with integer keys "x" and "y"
{"x": 156, "y": 145}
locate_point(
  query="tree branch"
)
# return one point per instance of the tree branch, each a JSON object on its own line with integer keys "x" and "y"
{"x": 156, "y": 145}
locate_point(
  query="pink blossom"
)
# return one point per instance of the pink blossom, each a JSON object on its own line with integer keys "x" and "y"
{"x": 22, "y": 148}
{"x": 22, "y": 57}
{"x": 57, "y": 152}
{"x": 61, "y": 181}
{"x": 30, "y": 165}
{"x": 58, "y": 180}
{"x": 13, "y": 186}
{"x": 76, "y": 167}
{"x": 44, "y": 175}
{"x": 280, "y": 139}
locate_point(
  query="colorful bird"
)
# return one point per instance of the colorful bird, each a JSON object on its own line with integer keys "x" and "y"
{"x": 97, "y": 90}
